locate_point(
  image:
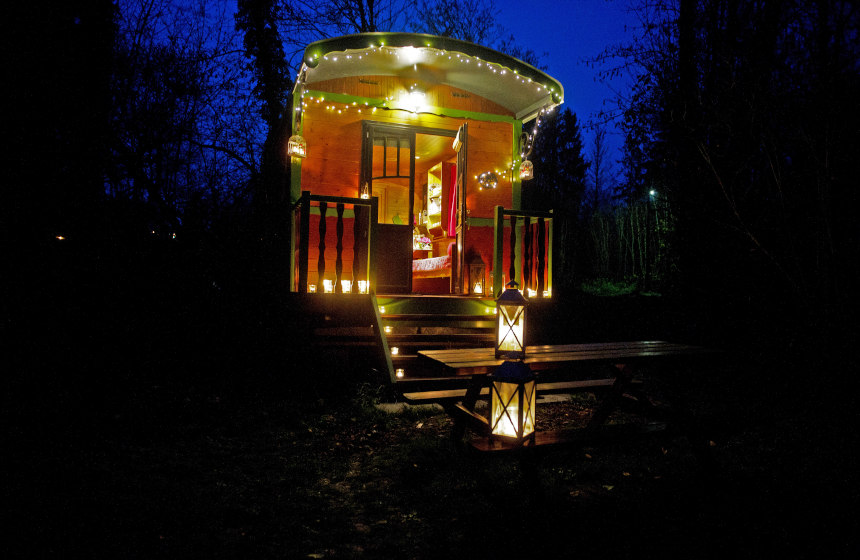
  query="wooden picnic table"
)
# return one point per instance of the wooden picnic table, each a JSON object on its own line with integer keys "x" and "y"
{"x": 560, "y": 369}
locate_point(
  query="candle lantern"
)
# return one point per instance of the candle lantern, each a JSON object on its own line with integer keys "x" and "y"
{"x": 297, "y": 146}
{"x": 512, "y": 402}
{"x": 527, "y": 170}
{"x": 477, "y": 275}
{"x": 511, "y": 323}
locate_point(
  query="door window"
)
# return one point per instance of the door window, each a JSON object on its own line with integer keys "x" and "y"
{"x": 391, "y": 177}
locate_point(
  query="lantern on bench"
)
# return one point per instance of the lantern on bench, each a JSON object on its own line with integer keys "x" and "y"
{"x": 511, "y": 323}
{"x": 512, "y": 402}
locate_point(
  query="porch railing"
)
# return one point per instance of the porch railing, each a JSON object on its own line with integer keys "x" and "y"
{"x": 529, "y": 244}
{"x": 363, "y": 213}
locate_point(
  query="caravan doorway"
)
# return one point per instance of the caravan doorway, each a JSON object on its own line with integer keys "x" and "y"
{"x": 415, "y": 173}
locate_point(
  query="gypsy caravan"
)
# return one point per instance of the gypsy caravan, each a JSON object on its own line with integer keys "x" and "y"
{"x": 408, "y": 162}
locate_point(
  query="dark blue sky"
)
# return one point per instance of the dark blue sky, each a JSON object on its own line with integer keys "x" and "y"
{"x": 570, "y": 31}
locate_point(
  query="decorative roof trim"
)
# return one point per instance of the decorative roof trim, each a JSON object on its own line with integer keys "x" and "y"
{"x": 315, "y": 52}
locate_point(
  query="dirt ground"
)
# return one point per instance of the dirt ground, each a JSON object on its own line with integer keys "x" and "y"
{"x": 172, "y": 427}
{"x": 209, "y": 475}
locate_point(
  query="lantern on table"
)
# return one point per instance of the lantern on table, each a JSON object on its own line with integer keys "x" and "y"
{"x": 511, "y": 323}
{"x": 477, "y": 274}
{"x": 512, "y": 402}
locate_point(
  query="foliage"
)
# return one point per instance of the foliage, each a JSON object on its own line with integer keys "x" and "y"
{"x": 257, "y": 19}
{"x": 630, "y": 240}
{"x": 558, "y": 183}
{"x": 180, "y": 132}
{"x": 601, "y": 176}
{"x": 57, "y": 101}
{"x": 742, "y": 114}
{"x": 607, "y": 287}
{"x": 469, "y": 20}
{"x": 302, "y": 22}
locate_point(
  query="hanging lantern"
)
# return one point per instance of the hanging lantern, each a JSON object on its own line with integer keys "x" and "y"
{"x": 488, "y": 180}
{"x": 527, "y": 170}
{"x": 512, "y": 402}
{"x": 477, "y": 274}
{"x": 511, "y": 323}
{"x": 297, "y": 146}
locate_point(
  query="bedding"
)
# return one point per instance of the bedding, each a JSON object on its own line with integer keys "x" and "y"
{"x": 434, "y": 267}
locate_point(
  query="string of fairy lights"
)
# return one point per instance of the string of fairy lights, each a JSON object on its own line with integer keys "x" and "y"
{"x": 414, "y": 55}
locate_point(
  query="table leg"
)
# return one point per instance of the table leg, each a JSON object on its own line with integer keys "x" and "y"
{"x": 609, "y": 403}
{"x": 469, "y": 401}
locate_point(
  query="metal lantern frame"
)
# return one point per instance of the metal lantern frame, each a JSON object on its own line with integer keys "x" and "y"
{"x": 527, "y": 170}
{"x": 513, "y": 398}
{"x": 477, "y": 276}
{"x": 297, "y": 146}
{"x": 511, "y": 315}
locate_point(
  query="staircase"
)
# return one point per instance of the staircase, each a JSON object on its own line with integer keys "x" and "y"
{"x": 389, "y": 331}
{"x": 416, "y": 323}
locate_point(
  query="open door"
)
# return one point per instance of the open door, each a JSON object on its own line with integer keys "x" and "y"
{"x": 458, "y": 255}
{"x": 388, "y": 172}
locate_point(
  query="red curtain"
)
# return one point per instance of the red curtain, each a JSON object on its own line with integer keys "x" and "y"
{"x": 452, "y": 195}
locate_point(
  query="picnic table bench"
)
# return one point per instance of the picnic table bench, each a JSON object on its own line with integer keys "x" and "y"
{"x": 568, "y": 368}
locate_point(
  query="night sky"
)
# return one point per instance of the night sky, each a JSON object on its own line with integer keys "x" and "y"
{"x": 565, "y": 33}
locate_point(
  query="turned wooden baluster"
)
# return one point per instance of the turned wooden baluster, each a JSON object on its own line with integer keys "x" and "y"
{"x": 527, "y": 253}
{"x": 356, "y": 233}
{"x": 321, "y": 259}
{"x": 512, "y": 273}
{"x": 338, "y": 263}
{"x": 541, "y": 257}
{"x": 304, "y": 240}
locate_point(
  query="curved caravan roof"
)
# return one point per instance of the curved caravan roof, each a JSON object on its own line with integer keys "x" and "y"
{"x": 509, "y": 82}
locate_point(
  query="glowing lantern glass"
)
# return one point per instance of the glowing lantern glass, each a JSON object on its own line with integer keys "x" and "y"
{"x": 297, "y": 146}
{"x": 527, "y": 170}
{"x": 511, "y": 323}
{"x": 512, "y": 402}
{"x": 477, "y": 275}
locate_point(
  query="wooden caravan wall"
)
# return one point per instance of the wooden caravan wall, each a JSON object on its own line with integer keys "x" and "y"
{"x": 334, "y": 138}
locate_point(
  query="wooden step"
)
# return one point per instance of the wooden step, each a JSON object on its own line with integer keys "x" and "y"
{"x": 435, "y": 317}
{"x": 440, "y": 340}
